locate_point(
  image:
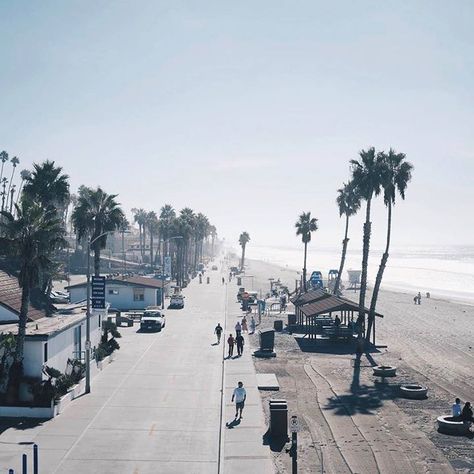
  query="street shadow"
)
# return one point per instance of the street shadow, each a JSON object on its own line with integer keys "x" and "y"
{"x": 235, "y": 422}
{"x": 22, "y": 424}
{"x": 276, "y": 443}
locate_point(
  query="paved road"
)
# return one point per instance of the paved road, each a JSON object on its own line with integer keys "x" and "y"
{"x": 158, "y": 407}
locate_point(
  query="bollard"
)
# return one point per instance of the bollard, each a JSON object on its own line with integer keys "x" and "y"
{"x": 35, "y": 459}
{"x": 25, "y": 465}
{"x": 11, "y": 471}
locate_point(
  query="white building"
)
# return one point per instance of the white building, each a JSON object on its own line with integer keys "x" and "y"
{"x": 53, "y": 340}
{"x": 125, "y": 292}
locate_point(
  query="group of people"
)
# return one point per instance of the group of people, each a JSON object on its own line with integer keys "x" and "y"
{"x": 462, "y": 413}
{"x": 238, "y": 340}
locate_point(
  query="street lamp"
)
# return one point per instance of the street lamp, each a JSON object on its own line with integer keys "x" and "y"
{"x": 88, "y": 312}
{"x": 163, "y": 268}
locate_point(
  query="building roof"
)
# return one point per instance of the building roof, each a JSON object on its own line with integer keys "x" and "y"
{"x": 332, "y": 304}
{"x": 47, "y": 327}
{"x": 309, "y": 297}
{"x": 10, "y": 297}
{"x": 134, "y": 280}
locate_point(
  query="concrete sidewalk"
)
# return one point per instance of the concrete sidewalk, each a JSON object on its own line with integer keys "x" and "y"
{"x": 157, "y": 407}
{"x": 243, "y": 442}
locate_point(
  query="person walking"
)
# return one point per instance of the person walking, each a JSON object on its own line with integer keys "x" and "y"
{"x": 218, "y": 332}
{"x": 244, "y": 325}
{"x": 238, "y": 328}
{"x": 223, "y": 280}
{"x": 240, "y": 344}
{"x": 231, "y": 342}
{"x": 239, "y": 396}
{"x": 252, "y": 325}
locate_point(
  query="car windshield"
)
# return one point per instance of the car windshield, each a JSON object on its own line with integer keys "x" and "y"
{"x": 152, "y": 314}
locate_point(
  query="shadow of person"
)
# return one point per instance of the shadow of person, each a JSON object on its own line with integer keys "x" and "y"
{"x": 215, "y": 344}
{"x": 235, "y": 422}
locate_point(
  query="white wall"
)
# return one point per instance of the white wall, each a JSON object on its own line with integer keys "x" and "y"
{"x": 7, "y": 316}
{"x": 60, "y": 348}
{"x": 123, "y": 300}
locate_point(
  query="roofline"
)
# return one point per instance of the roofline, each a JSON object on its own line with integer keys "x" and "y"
{"x": 123, "y": 282}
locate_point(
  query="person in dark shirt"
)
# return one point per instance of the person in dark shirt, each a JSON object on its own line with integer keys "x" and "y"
{"x": 240, "y": 344}
{"x": 466, "y": 414}
{"x": 231, "y": 342}
{"x": 218, "y": 332}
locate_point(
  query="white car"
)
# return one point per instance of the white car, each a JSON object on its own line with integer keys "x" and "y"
{"x": 152, "y": 320}
{"x": 176, "y": 302}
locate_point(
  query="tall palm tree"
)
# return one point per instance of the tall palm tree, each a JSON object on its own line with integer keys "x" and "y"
{"x": 244, "y": 239}
{"x": 305, "y": 226}
{"x": 366, "y": 177}
{"x": 213, "y": 234}
{"x": 139, "y": 217}
{"x": 48, "y": 185}
{"x": 153, "y": 227}
{"x": 167, "y": 216}
{"x": 188, "y": 226}
{"x": 14, "y": 161}
{"x": 348, "y": 202}
{"x": 31, "y": 237}
{"x": 25, "y": 175}
{"x": 201, "y": 232}
{"x": 4, "y": 158}
{"x": 396, "y": 174}
{"x": 96, "y": 212}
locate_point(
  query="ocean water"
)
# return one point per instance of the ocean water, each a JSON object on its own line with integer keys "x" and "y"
{"x": 446, "y": 272}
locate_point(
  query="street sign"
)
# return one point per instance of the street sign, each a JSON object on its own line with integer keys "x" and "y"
{"x": 294, "y": 425}
{"x": 98, "y": 292}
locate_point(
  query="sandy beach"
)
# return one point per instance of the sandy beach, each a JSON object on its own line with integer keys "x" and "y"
{"x": 353, "y": 421}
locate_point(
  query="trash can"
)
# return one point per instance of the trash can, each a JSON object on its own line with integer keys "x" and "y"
{"x": 208, "y": 280}
{"x": 278, "y": 418}
{"x": 239, "y": 281}
{"x": 291, "y": 319}
{"x": 267, "y": 339}
{"x": 278, "y": 325}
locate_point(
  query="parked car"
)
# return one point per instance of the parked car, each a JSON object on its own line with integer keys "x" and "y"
{"x": 214, "y": 267}
{"x": 176, "y": 302}
{"x": 152, "y": 320}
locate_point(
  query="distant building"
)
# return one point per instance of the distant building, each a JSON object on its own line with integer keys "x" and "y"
{"x": 125, "y": 292}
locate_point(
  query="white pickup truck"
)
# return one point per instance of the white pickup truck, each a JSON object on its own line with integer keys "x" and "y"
{"x": 176, "y": 302}
{"x": 152, "y": 320}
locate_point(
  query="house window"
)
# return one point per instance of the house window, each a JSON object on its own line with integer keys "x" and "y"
{"x": 139, "y": 294}
{"x": 45, "y": 352}
{"x": 113, "y": 291}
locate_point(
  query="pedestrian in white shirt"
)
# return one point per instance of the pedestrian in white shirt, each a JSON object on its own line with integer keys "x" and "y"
{"x": 239, "y": 396}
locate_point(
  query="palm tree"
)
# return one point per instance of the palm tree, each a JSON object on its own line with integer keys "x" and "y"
{"x": 139, "y": 217}
{"x": 366, "y": 177}
{"x": 153, "y": 227}
{"x": 4, "y": 159}
{"x": 14, "y": 161}
{"x": 25, "y": 175}
{"x": 201, "y": 232}
{"x": 96, "y": 213}
{"x": 213, "y": 234}
{"x": 31, "y": 237}
{"x": 48, "y": 185}
{"x": 396, "y": 174}
{"x": 304, "y": 227}
{"x": 348, "y": 203}
{"x": 244, "y": 239}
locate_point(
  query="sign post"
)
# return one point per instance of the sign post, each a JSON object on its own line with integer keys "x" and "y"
{"x": 98, "y": 292}
{"x": 294, "y": 428}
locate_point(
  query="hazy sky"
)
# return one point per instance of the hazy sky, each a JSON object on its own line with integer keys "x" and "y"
{"x": 247, "y": 111}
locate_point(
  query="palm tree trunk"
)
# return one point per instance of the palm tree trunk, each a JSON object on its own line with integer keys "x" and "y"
{"x": 304, "y": 266}
{"x": 22, "y": 319}
{"x": 96, "y": 259}
{"x": 343, "y": 258}
{"x": 378, "y": 280}
{"x": 243, "y": 256}
{"x": 365, "y": 262}
{"x": 151, "y": 250}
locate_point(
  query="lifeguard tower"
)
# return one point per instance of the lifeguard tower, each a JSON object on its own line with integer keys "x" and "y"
{"x": 354, "y": 279}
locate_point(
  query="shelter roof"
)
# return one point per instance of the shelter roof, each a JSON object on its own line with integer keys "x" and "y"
{"x": 309, "y": 297}
{"x": 332, "y": 304}
{"x": 10, "y": 297}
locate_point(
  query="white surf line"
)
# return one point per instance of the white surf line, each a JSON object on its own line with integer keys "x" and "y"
{"x": 221, "y": 417}
{"x": 104, "y": 405}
